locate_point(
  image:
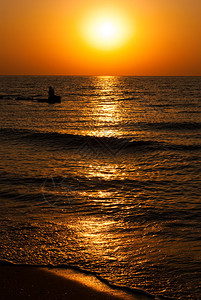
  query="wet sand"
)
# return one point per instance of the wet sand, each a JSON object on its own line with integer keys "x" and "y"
{"x": 21, "y": 282}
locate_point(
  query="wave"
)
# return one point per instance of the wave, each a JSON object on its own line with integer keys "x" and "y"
{"x": 170, "y": 126}
{"x": 133, "y": 291}
{"x": 83, "y": 143}
{"x": 92, "y": 145}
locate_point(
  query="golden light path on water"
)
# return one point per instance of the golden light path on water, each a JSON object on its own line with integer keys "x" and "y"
{"x": 106, "y": 111}
{"x": 107, "y": 114}
{"x": 103, "y": 110}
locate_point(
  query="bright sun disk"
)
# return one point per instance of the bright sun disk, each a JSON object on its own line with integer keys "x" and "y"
{"x": 106, "y": 30}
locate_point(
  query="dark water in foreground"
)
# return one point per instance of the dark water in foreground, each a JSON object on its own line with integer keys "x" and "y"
{"x": 108, "y": 180}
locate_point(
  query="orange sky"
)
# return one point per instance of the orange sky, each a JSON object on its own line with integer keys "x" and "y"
{"x": 60, "y": 37}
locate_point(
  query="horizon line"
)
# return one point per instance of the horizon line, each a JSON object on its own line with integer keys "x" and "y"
{"x": 81, "y": 75}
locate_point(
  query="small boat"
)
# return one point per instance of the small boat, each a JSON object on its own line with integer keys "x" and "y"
{"x": 52, "y": 100}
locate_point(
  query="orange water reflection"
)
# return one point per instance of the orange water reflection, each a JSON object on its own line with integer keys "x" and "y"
{"x": 106, "y": 111}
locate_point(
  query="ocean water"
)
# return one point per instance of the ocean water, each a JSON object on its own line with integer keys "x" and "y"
{"x": 108, "y": 181}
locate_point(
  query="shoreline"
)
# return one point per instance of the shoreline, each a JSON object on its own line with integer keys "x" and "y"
{"x": 37, "y": 283}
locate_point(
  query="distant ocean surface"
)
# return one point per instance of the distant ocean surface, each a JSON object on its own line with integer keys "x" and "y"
{"x": 108, "y": 181}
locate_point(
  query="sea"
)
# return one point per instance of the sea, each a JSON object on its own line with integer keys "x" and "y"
{"x": 107, "y": 181}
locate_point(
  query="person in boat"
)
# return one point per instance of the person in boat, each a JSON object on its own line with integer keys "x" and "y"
{"x": 51, "y": 94}
{"x": 52, "y": 98}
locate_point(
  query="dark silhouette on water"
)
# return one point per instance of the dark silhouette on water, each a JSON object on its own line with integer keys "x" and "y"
{"x": 52, "y": 98}
{"x": 51, "y": 93}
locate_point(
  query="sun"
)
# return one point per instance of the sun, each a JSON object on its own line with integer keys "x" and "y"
{"x": 106, "y": 30}
{"x": 105, "y": 33}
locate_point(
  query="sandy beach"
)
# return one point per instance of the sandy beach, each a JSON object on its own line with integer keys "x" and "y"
{"x": 19, "y": 282}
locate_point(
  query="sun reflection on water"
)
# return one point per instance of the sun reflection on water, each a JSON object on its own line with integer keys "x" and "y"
{"x": 97, "y": 233}
{"x": 106, "y": 111}
{"x": 106, "y": 171}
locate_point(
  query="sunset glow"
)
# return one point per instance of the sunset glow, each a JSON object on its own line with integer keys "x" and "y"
{"x": 100, "y": 38}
